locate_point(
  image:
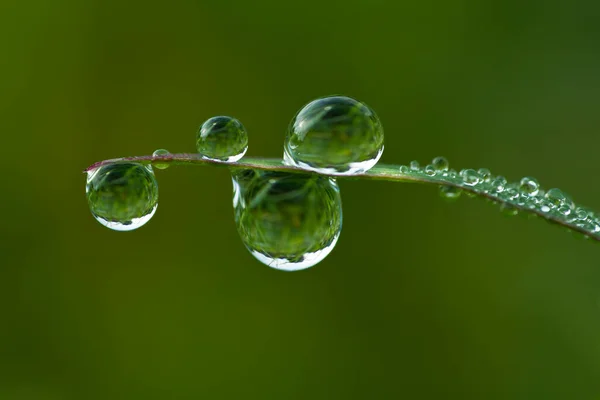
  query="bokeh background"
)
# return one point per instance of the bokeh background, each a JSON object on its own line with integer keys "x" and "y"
{"x": 421, "y": 299}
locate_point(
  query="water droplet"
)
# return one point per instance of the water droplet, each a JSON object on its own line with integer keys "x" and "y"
{"x": 564, "y": 210}
{"x": 498, "y": 184}
{"x": 161, "y": 153}
{"x": 450, "y": 192}
{"x": 485, "y": 174}
{"x": 558, "y": 198}
{"x": 440, "y": 164}
{"x": 122, "y": 196}
{"x": 581, "y": 213}
{"x": 510, "y": 193}
{"x": 404, "y": 169}
{"x": 336, "y": 135}
{"x": 470, "y": 177}
{"x": 414, "y": 165}
{"x": 287, "y": 221}
{"x": 430, "y": 170}
{"x": 222, "y": 139}
{"x": 529, "y": 186}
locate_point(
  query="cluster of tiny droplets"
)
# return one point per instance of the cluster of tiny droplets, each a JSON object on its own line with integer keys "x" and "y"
{"x": 525, "y": 194}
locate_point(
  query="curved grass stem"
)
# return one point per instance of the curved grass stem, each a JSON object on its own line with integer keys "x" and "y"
{"x": 584, "y": 222}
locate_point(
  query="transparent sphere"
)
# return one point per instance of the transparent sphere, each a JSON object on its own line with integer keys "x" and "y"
{"x": 336, "y": 135}
{"x": 122, "y": 196}
{"x": 287, "y": 221}
{"x": 222, "y": 139}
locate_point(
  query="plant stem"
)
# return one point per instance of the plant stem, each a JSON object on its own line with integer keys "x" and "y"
{"x": 382, "y": 172}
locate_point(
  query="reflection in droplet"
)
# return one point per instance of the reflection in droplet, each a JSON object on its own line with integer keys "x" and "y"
{"x": 122, "y": 196}
{"x": 287, "y": 221}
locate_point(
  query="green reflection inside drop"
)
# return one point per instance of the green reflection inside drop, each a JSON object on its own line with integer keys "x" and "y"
{"x": 336, "y": 135}
{"x": 222, "y": 139}
{"x": 287, "y": 221}
{"x": 122, "y": 196}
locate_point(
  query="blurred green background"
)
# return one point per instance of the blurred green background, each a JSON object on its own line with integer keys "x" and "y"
{"x": 421, "y": 299}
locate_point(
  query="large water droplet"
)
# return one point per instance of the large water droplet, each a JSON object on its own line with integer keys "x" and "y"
{"x": 222, "y": 139}
{"x": 161, "y": 153}
{"x": 122, "y": 196}
{"x": 287, "y": 221}
{"x": 336, "y": 135}
{"x": 529, "y": 186}
{"x": 440, "y": 164}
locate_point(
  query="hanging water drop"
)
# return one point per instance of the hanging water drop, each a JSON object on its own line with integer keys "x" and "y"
{"x": 440, "y": 164}
{"x": 336, "y": 135}
{"x": 122, "y": 196}
{"x": 450, "y": 192}
{"x": 529, "y": 186}
{"x": 161, "y": 153}
{"x": 470, "y": 177}
{"x": 222, "y": 139}
{"x": 287, "y": 221}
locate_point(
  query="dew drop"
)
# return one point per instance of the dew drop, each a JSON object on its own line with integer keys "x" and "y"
{"x": 122, "y": 196}
{"x": 450, "y": 192}
{"x": 470, "y": 177}
{"x": 498, "y": 184}
{"x": 222, "y": 139}
{"x": 440, "y": 164}
{"x": 558, "y": 198}
{"x": 414, "y": 165}
{"x": 161, "y": 153}
{"x": 336, "y": 135}
{"x": 404, "y": 169}
{"x": 430, "y": 170}
{"x": 287, "y": 221}
{"x": 529, "y": 186}
{"x": 485, "y": 174}
{"x": 564, "y": 210}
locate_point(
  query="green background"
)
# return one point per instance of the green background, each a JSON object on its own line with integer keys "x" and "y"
{"x": 421, "y": 299}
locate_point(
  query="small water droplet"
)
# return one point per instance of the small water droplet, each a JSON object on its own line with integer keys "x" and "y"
{"x": 498, "y": 184}
{"x": 558, "y": 198}
{"x": 564, "y": 210}
{"x": 485, "y": 174}
{"x": 511, "y": 193}
{"x": 414, "y": 165}
{"x": 287, "y": 221}
{"x": 529, "y": 186}
{"x": 430, "y": 170}
{"x": 440, "y": 164}
{"x": 222, "y": 138}
{"x": 404, "y": 169}
{"x": 470, "y": 177}
{"x": 336, "y": 134}
{"x": 450, "y": 192}
{"x": 581, "y": 213}
{"x": 161, "y": 153}
{"x": 122, "y": 196}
